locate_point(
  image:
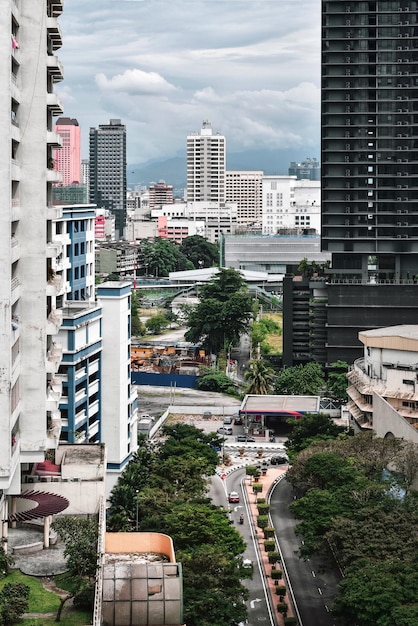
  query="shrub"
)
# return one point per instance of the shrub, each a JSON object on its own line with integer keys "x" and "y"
{"x": 268, "y": 532}
{"x": 260, "y": 501}
{"x": 290, "y": 621}
{"x": 262, "y": 521}
{"x": 282, "y": 607}
{"x": 276, "y": 574}
{"x": 269, "y": 545}
{"x": 281, "y": 590}
{"x": 273, "y": 557}
{"x": 257, "y": 487}
{"x": 263, "y": 508}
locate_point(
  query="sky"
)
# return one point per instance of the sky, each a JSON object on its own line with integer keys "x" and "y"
{"x": 252, "y": 68}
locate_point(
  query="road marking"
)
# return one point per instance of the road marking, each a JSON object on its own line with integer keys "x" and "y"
{"x": 326, "y": 608}
{"x": 313, "y": 573}
{"x": 252, "y": 603}
{"x": 319, "y": 591}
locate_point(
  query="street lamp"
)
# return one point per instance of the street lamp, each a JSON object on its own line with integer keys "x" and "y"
{"x": 136, "y": 518}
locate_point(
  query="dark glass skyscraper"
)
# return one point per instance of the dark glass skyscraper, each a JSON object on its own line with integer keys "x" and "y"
{"x": 107, "y": 169}
{"x": 370, "y": 139}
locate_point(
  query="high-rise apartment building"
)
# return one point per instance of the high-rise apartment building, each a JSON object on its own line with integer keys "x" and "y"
{"x": 67, "y": 158}
{"x": 107, "y": 170}
{"x": 160, "y": 193}
{"x": 244, "y": 188}
{"x": 206, "y": 159}
{"x": 369, "y": 167}
{"x": 30, "y": 318}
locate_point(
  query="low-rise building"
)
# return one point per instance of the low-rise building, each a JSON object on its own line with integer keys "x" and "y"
{"x": 383, "y": 391}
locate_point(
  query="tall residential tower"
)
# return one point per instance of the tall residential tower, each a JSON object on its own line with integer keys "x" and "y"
{"x": 369, "y": 166}
{"x": 206, "y": 166}
{"x": 67, "y": 159}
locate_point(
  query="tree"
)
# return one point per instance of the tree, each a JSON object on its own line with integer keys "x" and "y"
{"x": 14, "y": 601}
{"x": 337, "y": 381}
{"x": 223, "y": 313}
{"x": 137, "y": 327}
{"x": 156, "y": 324}
{"x": 260, "y": 330}
{"x": 406, "y": 463}
{"x": 301, "y": 380}
{"x": 79, "y": 536}
{"x": 212, "y": 380}
{"x": 200, "y": 251}
{"x": 162, "y": 256}
{"x": 309, "y": 428}
{"x": 260, "y": 377}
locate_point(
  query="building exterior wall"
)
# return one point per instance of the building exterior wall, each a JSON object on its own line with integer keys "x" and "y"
{"x": 107, "y": 170}
{"x": 244, "y": 188}
{"x": 67, "y": 159}
{"x": 206, "y": 158}
{"x": 119, "y": 409}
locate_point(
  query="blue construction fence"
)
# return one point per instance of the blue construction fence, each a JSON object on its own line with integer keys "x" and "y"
{"x": 164, "y": 380}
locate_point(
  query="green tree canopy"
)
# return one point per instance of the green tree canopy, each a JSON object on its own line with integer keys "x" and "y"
{"x": 260, "y": 377}
{"x": 213, "y": 380}
{"x": 304, "y": 380}
{"x": 156, "y": 324}
{"x": 311, "y": 427}
{"x": 337, "y": 381}
{"x": 162, "y": 256}
{"x": 200, "y": 251}
{"x": 223, "y": 313}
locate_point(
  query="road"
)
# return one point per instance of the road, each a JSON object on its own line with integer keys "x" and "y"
{"x": 257, "y": 604}
{"x": 314, "y": 588}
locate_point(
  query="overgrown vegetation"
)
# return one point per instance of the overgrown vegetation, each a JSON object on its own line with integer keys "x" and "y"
{"x": 168, "y": 487}
{"x": 351, "y": 508}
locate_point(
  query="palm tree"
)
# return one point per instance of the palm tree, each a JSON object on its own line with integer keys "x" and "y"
{"x": 260, "y": 377}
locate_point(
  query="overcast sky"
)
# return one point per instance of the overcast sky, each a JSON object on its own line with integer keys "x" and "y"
{"x": 163, "y": 66}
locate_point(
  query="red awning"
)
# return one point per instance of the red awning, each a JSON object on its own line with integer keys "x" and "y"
{"x": 47, "y": 504}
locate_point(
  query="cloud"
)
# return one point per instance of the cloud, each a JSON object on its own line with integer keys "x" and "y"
{"x": 251, "y": 67}
{"x": 135, "y": 82}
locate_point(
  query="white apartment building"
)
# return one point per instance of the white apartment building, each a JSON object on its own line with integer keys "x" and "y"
{"x": 244, "y": 188}
{"x": 217, "y": 220}
{"x": 383, "y": 384}
{"x": 206, "y": 159}
{"x": 119, "y": 398}
{"x": 29, "y": 351}
{"x": 290, "y": 204}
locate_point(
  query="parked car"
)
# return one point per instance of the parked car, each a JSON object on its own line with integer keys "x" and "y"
{"x": 281, "y": 459}
{"x": 207, "y": 415}
{"x": 227, "y": 419}
{"x": 245, "y": 438}
{"x": 238, "y": 419}
{"x": 233, "y": 497}
{"x": 225, "y": 430}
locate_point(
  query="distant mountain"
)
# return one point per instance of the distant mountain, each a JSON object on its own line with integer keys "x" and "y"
{"x": 173, "y": 171}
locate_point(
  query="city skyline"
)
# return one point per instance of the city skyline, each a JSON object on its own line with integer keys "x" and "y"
{"x": 252, "y": 69}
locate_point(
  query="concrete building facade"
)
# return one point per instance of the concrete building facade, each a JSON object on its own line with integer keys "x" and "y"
{"x": 206, "y": 159}
{"x": 244, "y": 188}
{"x": 29, "y": 68}
{"x": 67, "y": 159}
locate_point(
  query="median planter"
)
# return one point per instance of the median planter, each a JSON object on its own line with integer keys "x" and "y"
{"x": 262, "y": 521}
{"x": 290, "y": 621}
{"x": 282, "y": 607}
{"x": 273, "y": 557}
{"x": 281, "y": 590}
{"x": 269, "y": 545}
{"x": 268, "y": 532}
{"x": 263, "y": 508}
{"x": 276, "y": 574}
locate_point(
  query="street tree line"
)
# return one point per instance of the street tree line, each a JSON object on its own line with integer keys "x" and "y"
{"x": 353, "y": 510}
{"x": 164, "y": 489}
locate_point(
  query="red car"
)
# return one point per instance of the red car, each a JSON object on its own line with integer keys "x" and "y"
{"x": 233, "y": 497}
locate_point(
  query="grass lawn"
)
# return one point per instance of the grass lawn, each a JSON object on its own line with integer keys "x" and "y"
{"x": 43, "y": 601}
{"x": 275, "y": 340}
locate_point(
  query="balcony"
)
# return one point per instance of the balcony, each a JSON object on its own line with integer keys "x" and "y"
{"x": 94, "y": 429}
{"x": 55, "y": 68}
{"x": 53, "y": 358}
{"x": 53, "y": 249}
{"x": 54, "y": 322}
{"x": 15, "y": 251}
{"x": 55, "y": 7}
{"x": 15, "y": 209}
{"x": 54, "y": 104}
{"x": 93, "y": 408}
{"x": 54, "y": 32}
{"x": 54, "y": 140}
{"x": 15, "y": 284}
{"x": 52, "y": 176}
{"x": 53, "y": 213}
{"x": 15, "y": 170}
{"x": 15, "y": 132}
